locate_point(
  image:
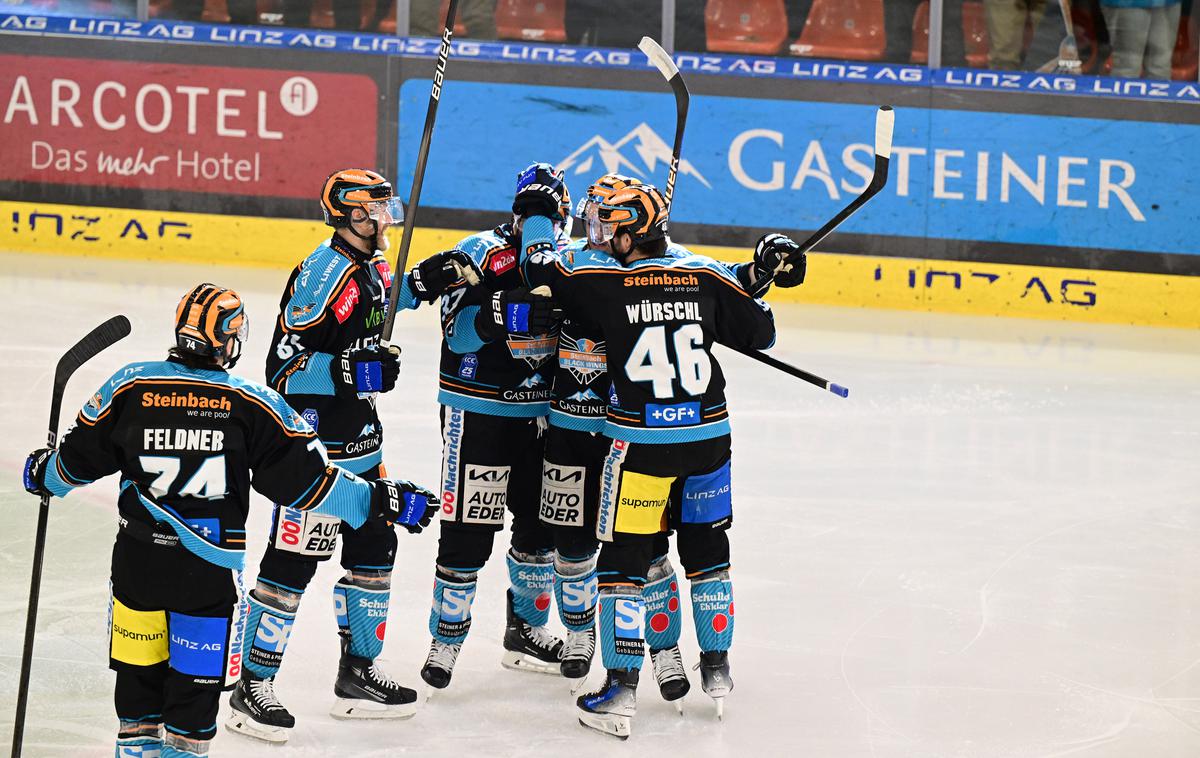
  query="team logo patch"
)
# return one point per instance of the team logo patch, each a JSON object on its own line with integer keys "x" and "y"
{"x": 312, "y": 417}
{"x": 385, "y": 272}
{"x": 533, "y": 350}
{"x": 468, "y": 366}
{"x": 503, "y": 261}
{"x": 679, "y": 414}
{"x": 345, "y": 304}
{"x": 584, "y": 358}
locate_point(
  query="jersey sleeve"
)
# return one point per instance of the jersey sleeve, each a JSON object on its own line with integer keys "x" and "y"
{"x": 322, "y": 294}
{"x": 87, "y": 452}
{"x": 290, "y": 466}
{"x": 461, "y": 304}
{"x": 743, "y": 322}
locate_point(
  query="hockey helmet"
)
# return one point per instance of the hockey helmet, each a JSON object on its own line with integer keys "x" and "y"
{"x": 359, "y": 188}
{"x": 211, "y": 322}
{"x": 637, "y": 209}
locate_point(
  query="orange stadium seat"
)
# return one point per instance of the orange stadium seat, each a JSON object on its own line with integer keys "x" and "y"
{"x": 532, "y": 20}
{"x": 1185, "y": 61}
{"x": 843, "y": 29}
{"x": 975, "y": 35}
{"x": 756, "y": 27}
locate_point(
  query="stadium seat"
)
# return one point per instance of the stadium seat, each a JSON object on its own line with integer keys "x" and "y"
{"x": 975, "y": 35}
{"x": 755, "y": 27}
{"x": 532, "y": 20}
{"x": 843, "y": 30}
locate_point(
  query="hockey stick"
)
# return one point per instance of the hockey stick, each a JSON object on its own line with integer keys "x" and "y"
{"x": 108, "y": 333}
{"x": 670, "y": 72}
{"x": 1067, "y": 61}
{"x": 414, "y": 195}
{"x": 885, "y": 122}
{"x": 799, "y": 373}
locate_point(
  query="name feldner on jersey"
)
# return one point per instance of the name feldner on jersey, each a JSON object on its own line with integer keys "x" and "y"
{"x": 189, "y": 444}
{"x": 659, "y": 318}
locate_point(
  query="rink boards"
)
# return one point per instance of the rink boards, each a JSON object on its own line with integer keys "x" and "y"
{"x": 991, "y": 289}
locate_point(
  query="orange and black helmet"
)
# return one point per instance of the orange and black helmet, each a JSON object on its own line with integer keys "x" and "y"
{"x": 637, "y": 209}
{"x": 602, "y": 188}
{"x": 357, "y": 188}
{"x": 211, "y": 322}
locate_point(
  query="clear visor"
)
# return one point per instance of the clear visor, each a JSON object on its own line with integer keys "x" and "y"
{"x": 385, "y": 212}
{"x": 598, "y": 232}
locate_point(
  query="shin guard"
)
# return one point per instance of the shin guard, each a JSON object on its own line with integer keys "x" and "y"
{"x": 532, "y": 578}
{"x": 360, "y": 601}
{"x": 661, "y": 595}
{"x": 576, "y": 591}
{"x": 622, "y": 620}
{"x": 269, "y": 618}
{"x": 712, "y": 610}
{"x": 450, "y": 616}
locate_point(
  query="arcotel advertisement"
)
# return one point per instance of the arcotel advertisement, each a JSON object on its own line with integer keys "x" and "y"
{"x": 167, "y": 126}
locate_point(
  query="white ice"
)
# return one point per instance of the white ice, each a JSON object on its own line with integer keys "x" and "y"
{"x": 989, "y": 549}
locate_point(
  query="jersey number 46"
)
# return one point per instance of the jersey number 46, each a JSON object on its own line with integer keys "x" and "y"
{"x": 649, "y": 361}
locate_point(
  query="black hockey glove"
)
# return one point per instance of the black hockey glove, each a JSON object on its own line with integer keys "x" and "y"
{"x": 357, "y": 372}
{"x": 517, "y": 311}
{"x": 779, "y": 255}
{"x": 404, "y": 503}
{"x": 35, "y": 471}
{"x": 437, "y": 273}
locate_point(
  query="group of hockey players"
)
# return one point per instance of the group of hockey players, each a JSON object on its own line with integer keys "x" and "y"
{"x": 578, "y": 393}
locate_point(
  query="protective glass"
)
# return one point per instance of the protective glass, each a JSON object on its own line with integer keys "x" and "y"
{"x": 385, "y": 212}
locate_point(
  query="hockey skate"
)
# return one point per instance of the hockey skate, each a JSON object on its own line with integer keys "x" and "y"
{"x": 365, "y": 692}
{"x": 715, "y": 678}
{"x": 439, "y": 664}
{"x": 671, "y": 676}
{"x": 610, "y": 709}
{"x": 530, "y": 648}
{"x": 577, "y": 652}
{"x": 256, "y": 712}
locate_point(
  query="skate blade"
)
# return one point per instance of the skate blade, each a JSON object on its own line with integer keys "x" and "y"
{"x": 720, "y": 703}
{"x": 679, "y": 706}
{"x": 348, "y": 709}
{"x": 240, "y": 723}
{"x": 577, "y": 684}
{"x": 608, "y": 723}
{"x": 522, "y": 662}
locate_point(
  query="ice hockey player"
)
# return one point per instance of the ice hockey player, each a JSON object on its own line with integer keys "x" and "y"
{"x": 326, "y": 360}
{"x": 667, "y": 466}
{"x": 189, "y": 439}
{"x": 575, "y": 453}
{"x": 494, "y": 392}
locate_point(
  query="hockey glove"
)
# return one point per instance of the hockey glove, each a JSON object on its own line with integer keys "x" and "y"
{"x": 437, "y": 273}
{"x": 359, "y": 372}
{"x": 776, "y": 254}
{"x": 517, "y": 311}
{"x": 35, "y": 471}
{"x": 404, "y": 503}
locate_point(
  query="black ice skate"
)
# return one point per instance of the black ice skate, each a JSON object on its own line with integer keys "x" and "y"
{"x": 365, "y": 692}
{"x": 577, "y": 652}
{"x": 671, "y": 676}
{"x": 530, "y": 648}
{"x": 715, "y": 678}
{"x": 610, "y": 709}
{"x": 256, "y": 712}
{"x": 439, "y": 664}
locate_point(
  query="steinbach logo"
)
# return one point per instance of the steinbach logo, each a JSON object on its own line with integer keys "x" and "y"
{"x": 584, "y": 358}
{"x": 650, "y": 148}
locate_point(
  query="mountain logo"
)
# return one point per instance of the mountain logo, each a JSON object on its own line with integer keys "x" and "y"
{"x": 367, "y": 430}
{"x": 534, "y": 381}
{"x": 586, "y": 396}
{"x": 650, "y": 149}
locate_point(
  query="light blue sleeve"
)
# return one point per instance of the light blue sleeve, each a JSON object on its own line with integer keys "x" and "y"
{"x": 349, "y": 499}
{"x": 313, "y": 378}
{"x": 406, "y": 300}
{"x": 462, "y": 337}
{"x": 55, "y": 483}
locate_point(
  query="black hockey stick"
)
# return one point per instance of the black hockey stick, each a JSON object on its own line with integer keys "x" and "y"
{"x": 670, "y": 72}
{"x": 885, "y": 121}
{"x": 108, "y": 333}
{"x": 799, "y": 373}
{"x": 414, "y": 195}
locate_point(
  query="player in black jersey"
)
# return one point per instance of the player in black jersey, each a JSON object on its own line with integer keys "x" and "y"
{"x": 668, "y": 463}
{"x": 494, "y": 387}
{"x": 189, "y": 441}
{"x": 574, "y": 460}
{"x": 326, "y": 360}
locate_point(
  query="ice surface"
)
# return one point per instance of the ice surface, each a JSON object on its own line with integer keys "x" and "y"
{"x": 990, "y": 549}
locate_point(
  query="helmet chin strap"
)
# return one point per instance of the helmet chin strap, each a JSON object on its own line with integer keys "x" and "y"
{"x": 373, "y": 239}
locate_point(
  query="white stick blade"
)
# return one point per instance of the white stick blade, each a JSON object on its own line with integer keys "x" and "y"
{"x": 885, "y": 122}
{"x": 658, "y": 57}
